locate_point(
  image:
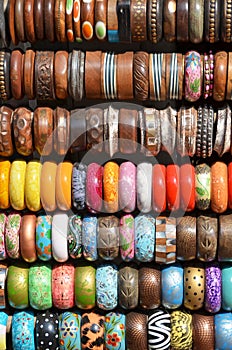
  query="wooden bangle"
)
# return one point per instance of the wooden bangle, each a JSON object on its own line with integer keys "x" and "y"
{"x": 12, "y": 230}
{"x": 44, "y": 75}
{"x": 6, "y": 145}
{"x": 222, "y": 143}
{"x": 61, "y": 130}
{"x": 220, "y": 75}
{"x": 49, "y": 19}
{"x": 22, "y": 127}
{"x": 136, "y": 330}
{"x": 230, "y": 185}
{"x": 59, "y": 13}
{"x": 76, "y": 71}
{"x": 19, "y": 20}
{"x": 168, "y": 131}
{"x": 29, "y": 74}
{"x": 27, "y": 238}
{"x": 186, "y": 236}
{"x": 224, "y": 247}
{"x": 123, "y": 14}
{"x": 4, "y": 75}
{"x": 173, "y": 85}
{"x": 207, "y": 237}
{"x": 155, "y": 19}
{"x": 226, "y": 21}
{"x": 100, "y": 19}
{"x": 61, "y": 74}
{"x": 212, "y": 20}
{"x": 124, "y": 74}
{"x": 17, "y": 184}
{"x": 69, "y": 18}
{"x": 11, "y": 21}
{"x": 93, "y": 74}
{"x": 193, "y": 76}
{"x": 29, "y": 20}
{"x": 77, "y": 20}
{"x": 229, "y": 78}
{"x": 43, "y": 130}
{"x": 47, "y": 186}
{"x": 17, "y": 286}
{"x": 169, "y": 24}
{"x": 108, "y": 76}
{"x": 187, "y": 131}
{"x": 63, "y": 185}
{"x": 63, "y": 286}
{"x": 39, "y": 19}
{"x": 112, "y": 21}
{"x": 157, "y": 68}
{"x": 87, "y": 18}
{"x": 59, "y": 237}
{"x": 196, "y": 20}
{"x": 4, "y": 184}
{"x": 138, "y": 19}
{"x": 40, "y": 286}
{"x": 113, "y": 130}
{"x": 141, "y": 75}
{"x": 32, "y": 185}
{"x": 219, "y": 187}
{"x": 182, "y": 15}
{"x": 110, "y": 187}
{"x": 16, "y": 74}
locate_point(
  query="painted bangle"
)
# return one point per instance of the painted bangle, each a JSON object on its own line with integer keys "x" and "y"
{"x": 108, "y": 237}
{"x": 79, "y": 173}
{"x": 181, "y": 330}
{"x": 63, "y": 286}
{"x": 75, "y": 236}
{"x": 92, "y": 328}
{"x": 40, "y": 286}
{"x": 165, "y": 240}
{"x": 126, "y": 187}
{"x": 208, "y": 74}
{"x": 194, "y": 287}
{"x": 69, "y": 330}
{"x": 110, "y": 187}
{"x": 3, "y": 275}
{"x": 17, "y": 184}
{"x": 192, "y": 76}
{"x": 115, "y": 324}
{"x": 27, "y": 238}
{"x": 128, "y": 287}
{"x": 69, "y": 18}
{"x": 223, "y": 330}
{"x": 213, "y": 288}
{"x": 100, "y": 19}
{"x": 219, "y": 187}
{"x": 126, "y": 237}
{"x": 226, "y": 288}
{"x": 159, "y": 330}
{"x": 144, "y": 187}
{"x": 172, "y": 286}
{"x": 107, "y": 287}
{"x": 63, "y": 185}
{"x": 47, "y": 186}
{"x": 159, "y": 188}
{"x": 44, "y": 237}
{"x": 157, "y": 67}
{"x": 85, "y": 287}
{"x": 186, "y": 238}
{"x": 173, "y": 187}
{"x": 3, "y": 327}
{"x": 87, "y": 19}
{"x": 144, "y": 238}
{"x": 46, "y": 330}
{"x": 138, "y": 16}
{"x": 187, "y": 187}
{"x": 3, "y": 221}
{"x": 136, "y": 330}
{"x": 149, "y": 288}
{"x": 17, "y": 286}
{"x": 23, "y": 330}
{"x": 203, "y": 332}
{"x": 224, "y": 248}
{"x": 32, "y": 185}
{"x": 207, "y": 236}
{"x": 59, "y": 237}
{"x": 76, "y": 20}
{"x": 94, "y": 187}
{"x": 203, "y": 186}
{"x": 89, "y": 238}
{"x": 12, "y": 235}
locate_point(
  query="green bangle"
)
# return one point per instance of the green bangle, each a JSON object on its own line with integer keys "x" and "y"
{"x": 85, "y": 287}
{"x": 17, "y": 286}
{"x": 40, "y": 286}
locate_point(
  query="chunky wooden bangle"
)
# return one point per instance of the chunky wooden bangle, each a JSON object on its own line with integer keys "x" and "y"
{"x": 136, "y": 330}
{"x": 43, "y": 130}
{"x": 187, "y": 131}
{"x": 123, "y": 14}
{"x": 196, "y": 20}
{"x": 59, "y": 13}
{"x": 229, "y": 77}
{"x": 16, "y": 74}
{"x": 112, "y": 21}
{"x": 187, "y": 187}
{"x": 222, "y": 143}
{"x": 63, "y": 185}
{"x": 124, "y": 74}
{"x": 43, "y": 237}
{"x": 47, "y": 186}
{"x": 152, "y": 131}
{"x": 126, "y": 237}
{"x": 108, "y": 76}
{"x": 76, "y": 70}
{"x": 93, "y": 74}
{"x": 61, "y": 130}
{"x": 39, "y": 19}
{"x": 27, "y": 238}
{"x": 63, "y": 286}
{"x": 29, "y": 20}
{"x": 59, "y": 237}
{"x": 47, "y": 330}
{"x": 155, "y": 19}
{"x": 108, "y": 237}
{"x": 11, "y": 21}
{"x": 144, "y": 186}
{"x": 110, "y": 187}
{"x": 165, "y": 246}
{"x": 144, "y": 238}
{"x": 203, "y": 186}
{"x": 12, "y": 235}
{"x": 23, "y": 329}
{"x": 159, "y": 188}
{"x": 87, "y": 19}
{"x": 224, "y": 246}
{"x": 49, "y": 19}
{"x": 128, "y": 122}
{"x": 186, "y": 238}
{"x": 128, "y": 280}
{"x": 173, "y": 78}
{"x": 141, "y": 75}
{"x": 149, "y": 288}
{"x": 19, "y": 20}
{"x": 207, "y": 235}
{"x": 4, "y": 184}
{"x": 89, "y": 323}
{"x": 219, "y": 187}
{"x": 169, "y": 24}
{"x": 85, "y": 287}
{"x": 61, "y": 74}
{"x": 193, "y": 76}
{"x": 203, "y": 332}
{"x": 220, "y": 75}
{"x": 17, "y": 286}
{"x": 173, "y": 187}
{"x": 40, "y": 286}
{"x": 69, "y": 19}
{"x": 159, "y": 328}
{"x": 230, "y": 185}
{"x": 6, "y": 145}
{"x": 127, "y": 187}
{"x": 32, "y": 185}
{"x": 29, "y": 74}
{"x": 44, "y": 81}
{"x": 226, "y": 21}
{"x": 100, "y": 19}
{"x": 107, "y": 286}
{"x": 76, "y": 21}
{"x": 17, "y": 184}
{"x": 22, "y": 127}
{"x": 212, "y": 20}
{"x": 138, "y": 17}
{"x": 182, "y": 20}
{"x": 157, "y": 68}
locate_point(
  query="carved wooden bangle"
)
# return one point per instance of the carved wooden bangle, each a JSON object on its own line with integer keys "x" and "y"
{"x": 44, "y": 75}
{"x": 6, "y": 145}
{"x": 22, "y": 126}
{"x": 16, "y": 74}
{"x": 124, "y": 72}
{"x": 29, "y": 74}
{"x": 43, "y": 130}
{"x": 141, "y": 75}
{"x": 61, "y": 74}
{"x": 87, "y": 18}
{"x": 220, "y": 75}
{"x": 93, "y": 74}
{"x": 224, "y": 239}
{"x": 108, "y": 237}
{"x": 226, "y": 21}
{"x": 138, "y": 17}
{"x": 207, "y": 236}
{"x": 61, "y": 130}
{"x": 27, "y": 238}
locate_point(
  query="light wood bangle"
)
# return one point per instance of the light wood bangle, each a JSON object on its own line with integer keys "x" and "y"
{"x": 63, "y": 185}
{"x": 124, "y": 76}
{"x": 47, "y": 186}
{"x": 27, "y": 238}
{"x": 220, "y": 75}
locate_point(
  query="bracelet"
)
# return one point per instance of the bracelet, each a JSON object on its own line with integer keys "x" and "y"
{"x": 194, "y": 287}
{"x": 63, "y": 185}
{"x": 186, "y": 233}
{"x": 124, "y": 25}
{"x": 107, "y": 286}
{"x": 5, "y": 167}
{"x": 87, "y": 18}
{"x": 224, "y": 249}
{"x": 3, "y": 275}
{"x": 29, "y": 20}
{"x": 44, "y": 237}
{"x": 193, "y": 76}
{"x": 172, "y": 286}
{"x": 27, "y": 238}
{"x": 207, "y": 235}
{"x": 110, "y": 187}
{"x": 22, "y": 126}
{"x": 6, "y": 145}
{"x": 75, "y": 236}
{"x": 136, "y": 330}
{"x": 128, "y": 285}
{"x": 17, "y": 184}
{"x": 16, "y": 74}
{"x": 94, "y": 186}
{"x": 155, "y": 19}
{"x": 77, "y": 21}
{"x": 213, "y": 288}
{"x": 46, "y": 330}
{"x": 169, "y": 20}
{"x": 61, "y": 130}
{"x": 59, "y": 237}
{"x": 69, "y": 337}
{"x": 112, "y": 21}
{"x": 182, "y": 16}
{"x": 89, "y": 238}
{"x": 203, "y": 334}
{"x": 61, "y": 74}
{"x": 32, "y": 185}
{"x": 223, "y": 332}
{"x": 138, "y": 16}
{"x": 181, "y": 329}
{"x": 85, "y": 287}
{"x": 165, "y": 240}
{"x": 91, "y": 322}
{"x": 196, "y": 20}
{"x": 127, "y": 187}
{"x": 39, "y": 19}
{"x": 17, "y": 286}
{"x": 128, "y": 124}
{"x": 43, "y": 130}
{"x": 76, "y": 70}
{"x": 79, "y": 174}
{"x": 144, "y": 187}
{"x": 173, "y": 187}
{"x": 108, "y": 237}
{"x": 40, "y": 286}
{"x": 144, "y": 238}
{"x": 159, "y": 188}
{"x": 219, "y": 187}
{"x": 187, "y": 187}
{"x": 59, "y": 19}
{"x": 23, "y": 329}
{"x": 78, "y": 131}
{"x": 100, "y": 19}
{"x": 141, "y": 75}
{"x": 94, "y": 127}
{"x": 149, "y": 288}
{"x": 44, "y": 82}
{"x": 115, "y": 325}
{"x": 126, "y": 237}
{"x": 49, "y": 19}
{"x": 63, "y": 286}
{"x": 48, "y": 186}
{"x": 220, "y": 75}
{"x": 226, "y": 287}
{"x": 29, "y": 74}
{"x": 203, "y": 186}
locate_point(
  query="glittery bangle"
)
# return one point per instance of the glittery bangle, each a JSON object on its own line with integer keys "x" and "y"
{"x": 213, "y": 286}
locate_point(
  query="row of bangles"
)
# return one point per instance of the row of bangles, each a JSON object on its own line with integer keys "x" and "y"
{"x": 144, "y": 238}
{"x": 188, "y": 131}
{"x": 48, "y": 75}
{"x": 115, "y": 331}
{"x": 111, "y": 187}
{"x": 117, "y": 20}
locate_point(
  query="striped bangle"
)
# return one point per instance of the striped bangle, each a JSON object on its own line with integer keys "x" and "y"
{"x": 156, "y": 68}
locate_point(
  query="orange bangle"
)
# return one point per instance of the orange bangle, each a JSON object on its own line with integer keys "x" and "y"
{"x": 4, "y": 184}
{"x": 47, "y": 186}
{"x": 219, "y": 187}
{"x": 110, "y": 186}
{"x": 27, "y": 238}
{"x": 63, "y": 185}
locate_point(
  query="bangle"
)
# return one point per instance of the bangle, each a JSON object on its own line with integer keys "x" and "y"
{"x": 91, "y": 322}
{"x": 11, "y": 22}
{"x": 136, "y": 330}
{"x": 128, "y": 285}
{"x": 3, "y": 275}
{"x": 159, "y": 188}
{"x": 124, "y": 26}
{"x": 23, "y": 329}
{"x": 110, "y": 187}
{"x": 94, "y": 187}
{"x": 203, "y": 186}
{"x": 46, "y": 330}
{"x": 229, "y": 78}
{"x": 108, "y": 237}
{"x": 159, "y": 328}
{"x": 141, "y": 75}
{"x": 22, "y": 126}
{"x": 226, "y": 21}
{"x": 152, "y": 131}
{"x": 219, "y": 187}
{"x": 29, "y": 74}
{"x": 94, "y": 127}
{"x": 69, "y": 330}
{"x": 112, "y": 21}
{"x": 127, "y": 124}
{"x": 17, "y": 286}
{"x": 124, "y": 76}
{"x": 61, "y": 130}
{"x": 93, "y": 74}
{"x": 44, "y": 82}
{"x": 85, "y": 287}
{"x": 193, "y": 76}
{"x": 127, "y": 187}
{"x": 187, "y": 187}
{"x": 172, "y": 75}
{"x": 226, "y": 288}
{"x": 16, "y": 74}
{"x": 207, "y": 235}
{"x": 77, "y": 131}
{"x": 3, "y": 83}
{"x": 108, "y": 76}
{"x": 29, "y": 20}
{"x": 75, "y": 236}
{"x": 144, "y": 187}
{"x": 203, "y": 331}
{"x": 223, "y": 133}
{"x": 173, "y": 187}
{"x": 40, "y": 286}
{"x": 19, "y": 20}
{"x": 169, "y": 24}
{"x": 6, "y": 145}
{"x": 126, "y": 237}
{"x": 208, "y": 92}
{"x": 27, "y": 238}
{"x": 89, "y": 238}
{"x": 157, "y": 76}
{"x": 107, "y": 287}
{"x": 100, "y": 19}
{"x": 138, "y": 16}
{"x": 44, "y": 237}
{"x": 155, "y": 20}
{"x": 182, "y": 20}
{"x": 149, "y": 288}
{"x": 3, "y": 221}
{"x": 63, "y": 286}
{"x": 47, "y": 186}
{"x": 87, "y": 18}
{"x": 186, "y": 238}
{"x": 172, "y": 286}
{"x": 223, "y": 330}
{"x": 112, "y": 118}
{"x": 76, "y": 71}
{"x": 77, "y": 20}
{"x": 63, "y": 185}
{"x": 59, "y": 237}
{"x": 17, "y": 184}
{"x": 229, "y": 185}
{"x": 220, "y": 75}
{"x": 61, "y": 74}
{"x": 165, "y": 240}
{"x": 168, "y": 117}
{"x": 59, "y": 18}
{"x": 79, "y": 173}
{"x": 32, "y": 185}
{"x": 144, "y": 238}
{"x": 187, "y": 131}
{"x": 196, "y": 20}
{"x": 49, "y": 19}
{"x": 181, "y": 330}
{"x": 224, "y": 249}
{"x": 13, "y": 225}
{"x": 5, "y": 167}
{"x": 39, "y": 19}
{"x": 212, "y": 20}
{"x": 194, "y": 287}
{"x": 213, "y": 288}
{"x": 115, "y": 324}
{"x": 43, "y": 130}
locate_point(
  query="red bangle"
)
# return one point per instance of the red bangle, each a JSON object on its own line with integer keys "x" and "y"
{"x": 159, "y": 188}
{"x": 173, "y": 187}
{"x": 187, "y": 187}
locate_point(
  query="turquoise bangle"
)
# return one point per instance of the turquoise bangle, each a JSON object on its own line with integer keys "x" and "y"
{"x": 43, "y": 237}
{"x": 172, "y": 286}
{"x": 69, "y": 331}
{"x": 107, "y": 286}
{"x": 3, "y": 324}
{"x": 40, "y": 286}
{"x": 115, "y": 324}
{"x": 226, "y": 288}
{"x": 113, "y": 36}
{"x": 23, "y": 330}
{"x": 223, "y": 331}
{"x": 144, "y": 238}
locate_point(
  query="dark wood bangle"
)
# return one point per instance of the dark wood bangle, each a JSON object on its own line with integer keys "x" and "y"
{"x": 49, "y": 19}
{"x": 220, "y": 75}
{"x": 78, "y": 131}
{"x": 182, "y": 21}
{"x": 60, "y": 20}
{"x": 186, "y": 236}
{"x": 141, "y": 75}
{"x": 94, "y": 125}
{"x": 112, "y": 21}
{"x": 93, "y": 74}
{"x": 226, "y": 21}
{"x": 87, "y": 18}
{"x": 61, "y": 74}
{"x": 44, "y": 76}
{"x": 138, "y": 20}
{"x": 29, "y": 20}
{"x": 136, "y": 330}
{"x": 128, "y": 124}
{"x": 43, "y": 130}
{"x": 29, "y": 74}
{"x": 22, "y": 128}
{"x": 212, "y": 20}
{"x": 61, "y": 130}
{"x": 6, "y": 145}
{"x": 100, "y": 19}
{"x": 16, "y": 74}
{"x": 157, "y": 67}
{"x": 11, "y": 22}
{"x": 224, "y": 246}
{"x": 169, "y": 21}
{"x": 5, "y": 92}
{"x": 19, "y": 20}
{"x": 196, "y": 20}
{"x": 76, "y": 70}
{"x": 39, "y": 19}
{"x": 124, "y": 74}
{"x": 69, "y": 19}
{"x": 123, "y": 12}
{"x": 155, "y": 20}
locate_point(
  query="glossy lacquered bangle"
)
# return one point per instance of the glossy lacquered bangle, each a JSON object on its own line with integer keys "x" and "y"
{"x": 124, "y": 76}
{"x": 63, "y": 185}
{"x": 149, "y": 288}
{"x": 159, "y": 188}
{"x": 128, "y": 281}
{"x": 29, "y": 74}
{"x": 89, "y": 238}
{"x": 186, "y": 238}
{"x": 49, "y": 19}
{"x": 61, "y": 74}
{"x": 61, "y": 130}
{"x": 112, "y": 21}
{"x": 67, "y": 338}
{"x": 182, "y": 14}
{"x": 126, "y": 187}
{"x": 12, "y": 235}
{"x": 107, "y": 287}
{"x": 207, "y": 237}
{"x": 59, "y": 14}
{"x": 17, "y": 286}
{"x": 169, "y": 24}
{"x": 85, "y": 287}
{"x": 173, "y": 187}
{"x": 219, "y": 187}
{"x": 3, "y": 275}
{"x": 194, "y": 287}
{"x": 223, "y": 330}
{"x": 165, "y": 240}
{"x": 108, "y": 237}
{"x": 17, "y": 184}
{"x": 126, "y": 237}
{"x": 43, "y": 130}
{"x": 226, "y": 288}
{"x": 144, "y": 187}
{"x": 159, "y": 328}
{"x": 230, "y": 185}
{"x": 39, "y": 19}
{"x": 213, "y": 288}
{"x": 100, "y": 19}
{"x": 89, "y": 323}
{"x": 172, "y": 280}
{"x": 187, "y": 187}
{"x": 3, "y": 327}
{"x": 3, "y": 220}
{"x": 75, "y": 236}
{"x": 203, "y": 186}
{"x": 47, "y": 330}
{"x": 115, "y": 324}
{"x": 32, "y": 185}
{"x": 94, "y": 178}
{"x": 144, "y": 238}
{"x": 59, "y": 237}
{"x": 79, "y": 173}
{"x": 19, "y": 20}
{"x": 110, "y": 187}
{"x": 27, "y": 238}
{"x": 5, "y": 167}
{"x": 43, "y": 237}
{"x": 23, "y": 329}
{"x": 220, "y": 75}
{"x": 63, "y": 286}
{"x": 47, "y": 186}
{"x": 136, "y": 330}
{"x": 16, "y": 74}
{"x": 40, "y": 286}
{"x": 203, "y": 331}
{"x": 181, "y": 330}
{"x": 193, "y": 76}
{"x": 87, "y": 19}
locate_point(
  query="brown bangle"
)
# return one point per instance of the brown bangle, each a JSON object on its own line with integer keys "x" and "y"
{"x": 224, "y": 245}
{"x": 77, "y": 20}
{"x": 94, "y": 123}
{"x": 229, "y": 78}
{"x": 128, "y": 287}
{"x": 87, "y": 18}
{"x": 29, "y": 74}
{"x": 61, "y": 74}
{"x": 49, "y": 19}
{"x": 61, "y": 130}
{"x": 44, "y": 77}
{"x": 77, "y": 131}
{"x": 27, "y": 238}
{"x": 112, "y": 21}
{"x": 3, "y": 87}
{"x": 149, "y": 287}
{"x": 186, "y": 238}
{"x": 152, "y": 131}
{"x": 207, "y": 235}
{"x": 128, "y": 123}
{"x": 219, "y": 187}
{"x": 155, "y": 20}
{"x": 11, "y": 22}
{"x": 29, "y": 20}
{"x": 69, "y": 19}
{"x": 39, "y": 19}
{"x": 220, "y": 75}
{"x": 138, "y": 20}
{"x": 19, "y": 20}
{"x": 22, "y": 126}
{"x": 6, "y": 146}
{"x": 136, "y": 330}
{"x": 169, "y": 8}
{"x": 60, "y": 20}
{"x": 43, "y": 130}
{"x": 124, "y": 74}
{"x": 203, "y": 332}
{"x": 196, "y": 20}
{"x": 16, "y": 74}
{"x": 182, "y": 13}
{"x": 141, "y": 75}
{"x": 93, "y": 74}
{"x": 100, "y": 19}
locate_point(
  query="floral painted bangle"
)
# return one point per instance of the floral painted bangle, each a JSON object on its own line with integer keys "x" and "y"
{"x": 44, "y": 237}
{"x": 40, "y": 286}
{"x": 12, "y": 235}
{"x": 193, "y": 76}
{"x": 23, "y": 330}
{"x": 3, "y": 220}
{"x": 69, "y": 331}
{"x": 3, "y": 274}
{"x": 115, "y": 331}
{"x": 126, "y": 237}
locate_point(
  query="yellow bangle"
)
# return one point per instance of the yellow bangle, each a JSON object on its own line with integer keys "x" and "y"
{"x": 17, "y": 184}
{"x": 4, "y": 184}
{"x": 63, "y": 185}
{"x": 48, "y": 186}
{"x": 32, "y": 185}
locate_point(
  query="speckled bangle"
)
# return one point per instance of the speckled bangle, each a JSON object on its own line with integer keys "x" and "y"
{"x": 47, "y": 330}
{"x": 213, "y": 286}
{"x": 144, "y": 238}
{"x": 89, "y": 238}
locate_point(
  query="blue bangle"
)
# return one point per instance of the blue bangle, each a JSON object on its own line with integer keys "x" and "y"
{"x": 23, "y": 330}
{"x": 115, "y": 324}
{"x": 89, "y": 237}
{"x": 43, "y": 237}
{"x": 223, "y": 331}
{"x": 113, "y": 36}
{"x": 172, "y": 286}
{"x": 107, "y": 286}
{"x": 144, "y": 238}
{"x": 226, "y": 288}
{"x": 69, "y": 331}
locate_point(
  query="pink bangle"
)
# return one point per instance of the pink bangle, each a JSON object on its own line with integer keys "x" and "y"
{"x": 63, "y": 286}
{"x": 127, "y": 187}
{"x": 193, "y": 76}
{"x": 94, "y": 187}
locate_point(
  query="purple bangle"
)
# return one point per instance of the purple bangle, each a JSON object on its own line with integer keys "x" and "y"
{"x": 213, "y": 286}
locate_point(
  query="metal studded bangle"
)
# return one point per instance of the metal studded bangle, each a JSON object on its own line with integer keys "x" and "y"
{"x": 152, "y": 19}
{"x": 206, "y": 76}
{"x": 199, "y": 127}
{"x": 204, "y": 133}
{"x": 210, "y": 131}
{"x": 3, "y": 93}
{"x": 226, "y": 21}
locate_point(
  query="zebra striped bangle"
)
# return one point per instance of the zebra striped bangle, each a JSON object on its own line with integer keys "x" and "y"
{"x": 156, "y": 75}
{"x": 109, "y": 76}
{"x": 159, "y": 330}
{"x": 172, "y": 76}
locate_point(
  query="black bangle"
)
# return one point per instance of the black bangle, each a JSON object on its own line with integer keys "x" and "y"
{"x": 123, "y": 13}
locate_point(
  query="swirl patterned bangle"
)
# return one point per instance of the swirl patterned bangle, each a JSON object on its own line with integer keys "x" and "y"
{"x": 159, "y": 330}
